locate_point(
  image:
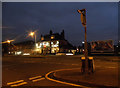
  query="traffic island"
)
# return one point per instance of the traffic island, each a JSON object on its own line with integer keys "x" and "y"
{"x": 102, "y": 77}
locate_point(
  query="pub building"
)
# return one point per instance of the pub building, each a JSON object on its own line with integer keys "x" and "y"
{"x": 53, "y": 43}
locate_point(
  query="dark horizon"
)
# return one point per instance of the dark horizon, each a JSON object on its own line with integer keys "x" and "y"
{"x": 19, "y": 18}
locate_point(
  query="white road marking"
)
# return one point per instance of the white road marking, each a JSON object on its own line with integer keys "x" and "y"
{"x": 15, "y": 82}
{"x": 34, "y": 77}
{"x": 23, "y": 83}
{"x": 37, "y": 79}
{"x": 72, "y": 84}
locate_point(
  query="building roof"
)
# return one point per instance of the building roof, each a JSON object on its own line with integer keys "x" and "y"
{"x": 53, "y": 36}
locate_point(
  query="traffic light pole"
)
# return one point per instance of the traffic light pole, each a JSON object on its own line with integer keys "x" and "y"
{"x": 83, "y": 20}
{"x": 86, "y": 52}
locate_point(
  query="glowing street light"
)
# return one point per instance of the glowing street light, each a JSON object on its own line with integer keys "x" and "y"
{"x": 8, "y": 41}
{"x": 83, "y": 42}
{"x": 33, "y": 34}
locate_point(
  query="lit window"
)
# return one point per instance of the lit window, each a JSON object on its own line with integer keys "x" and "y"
{"x": 42, "y": 38}
{"x": 36, "y": 44}
{"x": 52, "y": 37}
{"x": 51, "y": 42}
{"x": 46, "y": 44}
{"x": 57, "y": 42}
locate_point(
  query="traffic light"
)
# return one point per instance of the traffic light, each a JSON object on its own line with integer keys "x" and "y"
{"x": 83, "y": 16}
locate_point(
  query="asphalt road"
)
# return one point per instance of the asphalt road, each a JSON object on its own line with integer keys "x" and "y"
{"x": 31, "y": 71}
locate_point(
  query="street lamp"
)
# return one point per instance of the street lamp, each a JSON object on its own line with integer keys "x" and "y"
{"x": 8, "y": 41}
{"x": 83, "y": 42}
{"x": 33, "y": 34}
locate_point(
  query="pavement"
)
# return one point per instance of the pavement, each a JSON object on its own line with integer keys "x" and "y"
{"x": 101, "y": 78}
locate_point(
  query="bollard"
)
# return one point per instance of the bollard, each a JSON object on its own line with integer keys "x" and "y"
{"x": 91, "y": 66}
{"x": 83, "y": 64}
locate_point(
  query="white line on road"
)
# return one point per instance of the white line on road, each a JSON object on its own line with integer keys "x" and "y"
{"x": 34, "y": 77}
{"x": 15, "y": 82}
{"x": 37, "y": 79}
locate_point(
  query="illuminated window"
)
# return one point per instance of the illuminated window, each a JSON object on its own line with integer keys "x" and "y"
{"x": 51, "y": 42}
{"x": 55, "y": 50}
{"x": 52, "y": 37}
{"x": 42, "y": 38}
{"x": 55, "y": 44}
{"x": 46, "y": 44}
{"x": 36, "y": 44}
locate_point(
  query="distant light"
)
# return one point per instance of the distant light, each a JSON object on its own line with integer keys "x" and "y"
{"x": 47, "y": 44}
{"x": 51, "y": 42}
{"x": 83, "y": 58}
{"x": 52, "y": 37}
{"x": 8, "y": 41}
{"x": 54, "y": 45}
{"x": 116, "y": 46}
{"x": 32, "y": 33}
{"x": 9, "y": 52}
{"x": 37, "y": 49}
{"x": 26, "y": 54}
{"x": 83, "y": 50}
{"x": 83, "y": 42}
{"x": 57, "y": 42}
{"x": 90, "y": 58}
{"x": 36, "y": 44}
{"x": 69, "y": 54}
{"x": 18, "y": 53}
{"x": 42, "y": 38}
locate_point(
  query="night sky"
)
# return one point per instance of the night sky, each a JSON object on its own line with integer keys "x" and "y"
{"x": 22, "y": 17}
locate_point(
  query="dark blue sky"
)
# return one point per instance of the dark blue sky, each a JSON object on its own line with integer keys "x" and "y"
{"x": 21, "y": 17}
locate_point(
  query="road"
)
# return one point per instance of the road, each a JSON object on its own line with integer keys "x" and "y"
{"x": 31, "y": 71}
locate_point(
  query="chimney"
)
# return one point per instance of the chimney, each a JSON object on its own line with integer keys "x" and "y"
{"x": 50, "y": 32}
{"x": 63, "y": 34}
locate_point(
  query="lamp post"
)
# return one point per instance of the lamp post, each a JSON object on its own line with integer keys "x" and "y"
{"x": 83, "y": 20}
{"x": 33, "y": 34}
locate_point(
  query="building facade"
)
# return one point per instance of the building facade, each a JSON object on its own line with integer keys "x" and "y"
{"x": 53, "y": 43}
{"x": 21, "y": 48}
